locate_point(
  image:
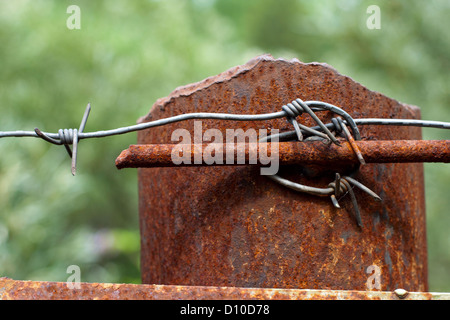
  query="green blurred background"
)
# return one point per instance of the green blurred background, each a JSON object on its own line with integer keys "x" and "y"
{"x": 129, "y": 53}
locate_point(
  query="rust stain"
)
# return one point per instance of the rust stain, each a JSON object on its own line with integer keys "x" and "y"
{"x": 231, "y": 227}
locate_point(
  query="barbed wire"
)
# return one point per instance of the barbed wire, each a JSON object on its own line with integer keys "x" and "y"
{"x": 290, "y": 111}
{"x": 337, "y": 188}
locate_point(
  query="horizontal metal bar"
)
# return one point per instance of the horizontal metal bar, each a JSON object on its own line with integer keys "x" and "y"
{"x": 305, "y": 152}
{"x": 43, "y": 290}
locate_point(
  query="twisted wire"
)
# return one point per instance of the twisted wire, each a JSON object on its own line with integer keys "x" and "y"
{"x": 239, "y": 117}
{"x": 291, "y": 111}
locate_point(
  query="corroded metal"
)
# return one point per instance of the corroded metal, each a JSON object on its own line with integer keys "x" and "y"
{"x": 230, "y": 226}
{"x": 42, "y": 290}
{"x": 289, "y": 153}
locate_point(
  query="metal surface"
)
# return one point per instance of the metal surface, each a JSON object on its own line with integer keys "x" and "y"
{"x": 230, "y": 226}
{"x": 42, "y": 290}
{"x": 289, "y": 153}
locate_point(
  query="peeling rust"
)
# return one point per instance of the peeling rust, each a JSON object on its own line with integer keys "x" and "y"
{"x": 290, "y": 153}
{"x": 229, "y": 226}
{"x": 42, "y": 290}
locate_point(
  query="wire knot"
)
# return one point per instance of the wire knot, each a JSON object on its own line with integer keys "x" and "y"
{"x": 297, "y": 107}
{"x": 341, "y": 187}
{"x": 337, "y": 125}
{"x": 293, "y": 109}
{"x": 68, "y": 137}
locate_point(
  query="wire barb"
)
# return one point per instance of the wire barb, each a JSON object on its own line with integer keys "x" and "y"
{"x": 76, "y": 139}
{"x": 355, "y": 203}
{"x": 352, "y": 142}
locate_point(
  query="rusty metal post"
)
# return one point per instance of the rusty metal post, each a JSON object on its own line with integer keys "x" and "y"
{"x": 230, "y": 226}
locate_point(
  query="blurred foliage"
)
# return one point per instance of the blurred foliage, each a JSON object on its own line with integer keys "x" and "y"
{"x": 128, "y": 54}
